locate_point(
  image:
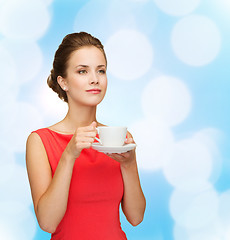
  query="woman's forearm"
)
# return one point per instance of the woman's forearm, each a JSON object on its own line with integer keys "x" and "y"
{"x": 52, "y": 205}
{"x": 133, "y": 203}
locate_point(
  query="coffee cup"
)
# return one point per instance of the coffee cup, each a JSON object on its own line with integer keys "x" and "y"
{"x": 111, "y": 136}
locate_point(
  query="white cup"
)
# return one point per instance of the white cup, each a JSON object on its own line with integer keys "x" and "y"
{"x": 111, "y": 136}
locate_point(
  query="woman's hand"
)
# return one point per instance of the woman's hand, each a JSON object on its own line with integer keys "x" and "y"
{"x": 82, "y": 138}
{"x": 127, "y": 158}
{"x": 133, "y": 201}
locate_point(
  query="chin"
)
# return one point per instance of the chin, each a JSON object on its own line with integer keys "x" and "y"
{"x": 94, "y": 103}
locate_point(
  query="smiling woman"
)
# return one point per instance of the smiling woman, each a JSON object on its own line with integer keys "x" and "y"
{"x": 77, "y": 190}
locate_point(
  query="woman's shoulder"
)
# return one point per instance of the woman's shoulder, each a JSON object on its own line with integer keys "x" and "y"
{"x": 34, "y": 139}
{"x": 37, "y": 134}
{"x": 57, "y": 127}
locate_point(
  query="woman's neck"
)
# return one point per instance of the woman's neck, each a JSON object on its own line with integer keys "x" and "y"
{"x": 79, "y": 117}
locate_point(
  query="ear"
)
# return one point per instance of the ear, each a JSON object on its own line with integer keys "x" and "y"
{"x": 62, "y": 83}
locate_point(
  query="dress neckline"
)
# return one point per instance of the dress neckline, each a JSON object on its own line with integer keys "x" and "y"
{"x": 64, "y": 134}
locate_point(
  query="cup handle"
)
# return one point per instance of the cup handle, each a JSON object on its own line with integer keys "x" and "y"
{"x": 98, "y": 138}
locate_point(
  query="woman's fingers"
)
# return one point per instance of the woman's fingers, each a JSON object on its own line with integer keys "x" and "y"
{"x": 90, "y": 128}
{"x": 129, "y": 140}
{"x": 119, "y": 156}
{"x": 84, "y": 139}
{"x": 87, "y": 134}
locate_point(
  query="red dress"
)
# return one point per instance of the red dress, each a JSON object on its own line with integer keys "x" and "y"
{"x": 95, "y": 193}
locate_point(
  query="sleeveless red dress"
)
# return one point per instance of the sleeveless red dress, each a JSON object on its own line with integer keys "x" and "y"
{"x": 95, "y": 193}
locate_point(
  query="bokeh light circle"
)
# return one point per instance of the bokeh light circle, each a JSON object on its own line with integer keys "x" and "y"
{"x": 210, "y": 138}
{"x": 7, "y": 165}
{"x": 17, "y": 187}
{"x": 19, "y": 118}
{"x": 130, "y": 54}
{"x": 167, "y": 98}
{"x": 91, "y": 18}
{"x": 119, "y": 13}
{"x": 24, "y": 19}
{"x": 179, "y": 232}
{"x": 51, "y": 105}
{"x": 6, "y": 231}
{"x": 194, "y": 210}
{"x": 8, "y": 68}
{"x": 27, "y": 58}
{"x": 154, "y": 142}
{"x": 224, "y": 209}
{"x": 177, "y": 7}
{"x": 18, "y": 220}
{"x": 191, "y": 164}
{"x": 196, "y": 40}
{"x": 47, "y": 2}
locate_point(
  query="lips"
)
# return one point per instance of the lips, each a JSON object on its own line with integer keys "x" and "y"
{"x": 94, "y": 90}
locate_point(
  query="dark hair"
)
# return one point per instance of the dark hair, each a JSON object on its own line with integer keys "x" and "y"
{"x": 70, "y": 43}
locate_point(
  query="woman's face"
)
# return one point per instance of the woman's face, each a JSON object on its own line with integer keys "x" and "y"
{"x": 86, "y": 79}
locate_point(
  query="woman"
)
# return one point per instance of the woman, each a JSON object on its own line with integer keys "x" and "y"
{"x": 76, "y": 190}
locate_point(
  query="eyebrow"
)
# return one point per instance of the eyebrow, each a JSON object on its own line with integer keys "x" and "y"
{"x": 81, "y": 66}
{"x": 86, "y": 66}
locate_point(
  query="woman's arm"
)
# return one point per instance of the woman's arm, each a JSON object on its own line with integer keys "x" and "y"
{"x": 50, "y": 195}
{"x": 133, "y": 202}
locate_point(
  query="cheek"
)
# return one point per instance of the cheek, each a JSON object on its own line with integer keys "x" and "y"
{"x": 104, "y": 83}
{"x": 77, "y": 84}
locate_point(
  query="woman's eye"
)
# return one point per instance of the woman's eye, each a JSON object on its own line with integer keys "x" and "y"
{"x": 101, "y": 71}
{"x": 82, "y": 71}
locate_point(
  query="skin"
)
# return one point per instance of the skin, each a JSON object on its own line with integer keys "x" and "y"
{"x": 86, "y": 70}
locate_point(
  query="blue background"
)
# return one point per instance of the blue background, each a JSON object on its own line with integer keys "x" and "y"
{"x": 184, "y": 162}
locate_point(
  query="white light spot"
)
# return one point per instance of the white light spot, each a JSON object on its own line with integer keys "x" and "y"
{"x": 51, "y": 104}
{"x": 8, "y": 73}
{"x": 6, "y": 231}
{"x": 17, "y": 187}
{"x": 47, "y": 2}
{"x": 129, "y": 53}
{"x": 91, "y": 18}
{"x": 136, "y": 15}
{"x": 167, "y": 98}
{"x": 227, "y": 234}
{"x": 211, "y": 231}
{"x": 7, "y": 165}
{"x": 8, "y": 69}
{"x": 223, "y": 6}
{"x": 18, "y": 221}
{"x": 1, "y": 3}
{"x": 25, "y": 19}
{"x": 177, "y": 7}
{"x": 191, "y": 164}
{"x": 196, "y": 40}
{"x": 203, "y": 236}
{"x": 141, "y": 1}
{"x": 225, "y": 209}
{"x": 194, "y": 210}
{"x": 27, "y": 57}
{"x": 154, "y": 143}
{"x": 179, "y": 232}
{"x": 20, "y": 119}
{"x": 210, "y": 137}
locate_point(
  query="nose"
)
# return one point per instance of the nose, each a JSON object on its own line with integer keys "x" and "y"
{"x": 94, "y": 79}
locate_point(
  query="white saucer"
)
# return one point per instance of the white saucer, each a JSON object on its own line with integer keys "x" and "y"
{"x": 121, "y": 149}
